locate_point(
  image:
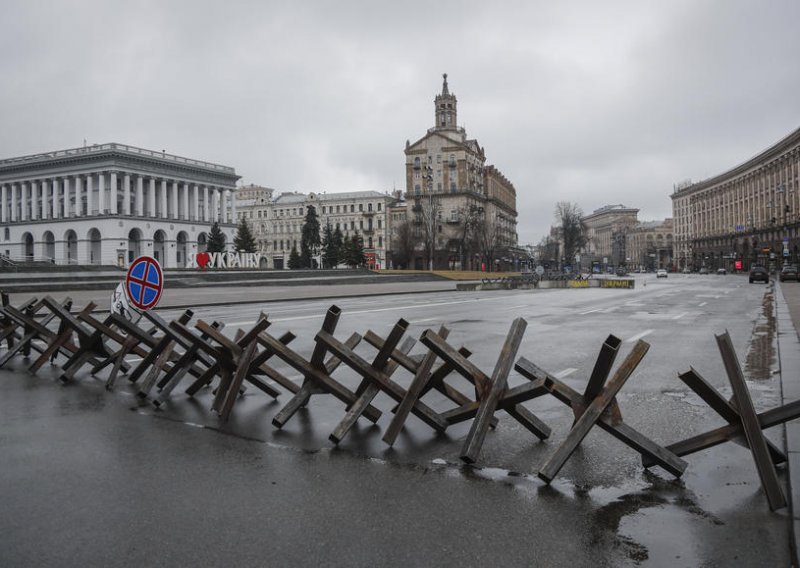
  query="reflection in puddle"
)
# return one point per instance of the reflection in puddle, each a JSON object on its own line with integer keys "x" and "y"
{"x": 761, "y": 355}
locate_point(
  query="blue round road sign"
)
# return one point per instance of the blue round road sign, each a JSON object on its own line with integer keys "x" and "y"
{"x": 144, "y": 282}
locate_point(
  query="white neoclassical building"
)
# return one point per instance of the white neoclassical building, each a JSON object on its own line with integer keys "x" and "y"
{"x": 110, "y": 203}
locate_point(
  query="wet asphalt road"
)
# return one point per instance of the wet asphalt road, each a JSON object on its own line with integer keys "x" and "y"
{"x": 92, "y": 478}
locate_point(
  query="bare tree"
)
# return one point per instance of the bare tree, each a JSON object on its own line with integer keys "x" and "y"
{"x": 572, "y": 231}
{"x": 427, "y": 215}
{"x": 403, "y": 244}
{"x": 487, "y": 237}
{"x": 469, "y": 217}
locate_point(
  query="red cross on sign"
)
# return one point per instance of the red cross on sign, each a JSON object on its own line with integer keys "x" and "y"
{"x": 144, "y": 282}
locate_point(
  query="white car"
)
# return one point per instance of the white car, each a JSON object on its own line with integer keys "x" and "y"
{"x": 661, "y": 273}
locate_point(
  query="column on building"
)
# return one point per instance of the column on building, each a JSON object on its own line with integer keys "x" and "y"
{"x": 126, "y": 194}
{"x": 139, "y": 196}
{"x": 233, "y": 207}
{"x": 196, "y": 204}
{"x": 163, "y": 199}
{"x": 215, "y": 205}
{"x": 151, "y": 201}
{"x": 185, "y": 206}
{"x": 13, "y": 202}
{"x": 174, "y": 212}
{"x": 101, "y": 193}
{"x": 3, "y": 203}
{"x": 35, "y": 200}
{"x": 78, "y": 211}
{"x": 113, "y": 193}
{"x": 206, "y": 212}
{"x": 89, "y": 195}
{"x": 23, "y": 199}
{"x": 66, "y": 196}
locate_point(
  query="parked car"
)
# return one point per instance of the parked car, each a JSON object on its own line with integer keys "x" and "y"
{"x": 687, "y": 271}
{"x": 788, "y": 272}
{"x": 759, "y": 273}
{"x": 721, "y": 271}
{"x": 704, "y": 270}
{"x": 621, "y": 271}
{"x": 661, "y": 273}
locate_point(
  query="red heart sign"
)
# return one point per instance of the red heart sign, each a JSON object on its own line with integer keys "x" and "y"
{"x": 202, "y": 259}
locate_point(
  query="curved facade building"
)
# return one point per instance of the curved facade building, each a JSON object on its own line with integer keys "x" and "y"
{"x": 110, "y": 203}
{"x": 749, "y": 213}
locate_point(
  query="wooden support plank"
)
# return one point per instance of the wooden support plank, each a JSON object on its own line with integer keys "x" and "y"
{"x": 381, "y": 363}
{"x": 362, "y": 367}
{"x": 480, "y": 425}
{"x": 725, "y": 409}
{"x": 456, "y": 361}
{"x": 316, "y": 381}
{"x": 766, "y": 419}
{"x": 650, "y": 450}
{"x": 592, "y": 414}
{"x": 750, "y": 425}
{"x": 421, "y": 378}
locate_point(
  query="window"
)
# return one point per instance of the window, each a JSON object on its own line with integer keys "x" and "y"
{"x": 416, "y": 189}
{"x": 337, "y": 209}
{"x": 379, "y": 206}
{"x": 352, "y": 208}
{"x": 361, "y": 225}
{"x": 439, "y": 187}
{"x": 369, "y": 206}
{"x": 323, "y": 209}
{"x": 379, "y": 223}
{"x": 352, "y": 226}
{"x": 360, "y": 207}
{"x": 369, "y": 242}
{"x": 275, "y": 245}
{"x": 380, "y": 242}
{"x": 452, "y": 187}
{"x": 416, "y": 163}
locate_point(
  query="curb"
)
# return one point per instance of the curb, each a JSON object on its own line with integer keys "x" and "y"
{"x": 788, "y": 343}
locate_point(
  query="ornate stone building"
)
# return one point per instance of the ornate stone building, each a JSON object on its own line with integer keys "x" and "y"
{"x": 463, "y": 209}
{"x": 277, "y": 221}
{"x": 649, "y": 245}
{"x": 606, "y": 230}
{"x": 748, "y": 213}
{"x": 110, "y": 203}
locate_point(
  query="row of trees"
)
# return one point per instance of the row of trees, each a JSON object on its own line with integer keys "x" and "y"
{"x": 477, "y": 237}
{"x": 571, "y": 235}
{"x": 334, "y": 247}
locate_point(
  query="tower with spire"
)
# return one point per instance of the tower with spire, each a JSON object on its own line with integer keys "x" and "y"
{"x": 446, "y": 173}
{"x": 446, "y": 108}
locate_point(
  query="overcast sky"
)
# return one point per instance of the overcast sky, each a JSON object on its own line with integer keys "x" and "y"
{"x": 591, "y": 102}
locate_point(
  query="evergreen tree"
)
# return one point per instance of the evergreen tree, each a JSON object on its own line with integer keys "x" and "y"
{"x": 243, "y": 240}
{"x": 294, "y": 259}
{"x": 355, "y": 251}
{"x": 216, "y": 239}
{"x": 338, "y": 247}
{"x": 310, "y": 241}
{"x": 330, "y": 254}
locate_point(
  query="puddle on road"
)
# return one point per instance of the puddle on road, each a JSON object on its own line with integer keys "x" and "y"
{"x": 652, "y": 526}
{"x": 761, "y": 357}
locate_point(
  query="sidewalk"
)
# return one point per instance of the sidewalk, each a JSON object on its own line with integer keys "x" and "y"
{"x": 179, "y": 298}
{"x": 787, "y": 300}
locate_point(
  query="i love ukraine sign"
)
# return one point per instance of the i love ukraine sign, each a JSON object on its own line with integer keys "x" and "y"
{"x": 205, "y": 260}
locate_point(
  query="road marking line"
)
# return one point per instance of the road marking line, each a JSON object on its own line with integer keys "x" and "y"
{"x": 389, "y": 309}
{"x": 639, "y": 335}
{"x": 701, "y": 304}
{"x": 679, "y": 316}
{"x": 591, "y": 311}
{"x": 564, "y": 373}
{"x": 420, "y": 321}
